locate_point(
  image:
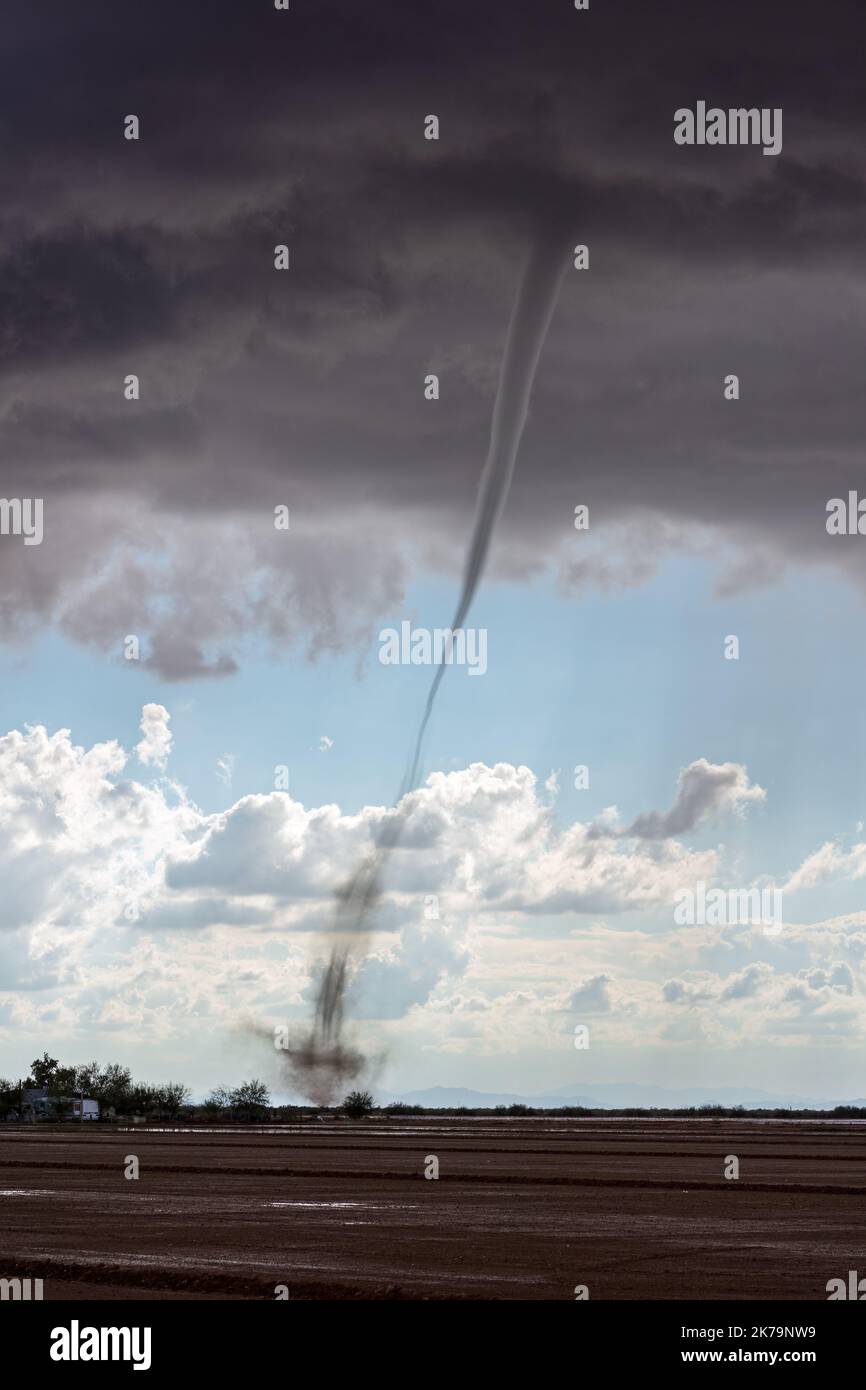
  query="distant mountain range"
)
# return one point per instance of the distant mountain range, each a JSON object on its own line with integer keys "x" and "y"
{"x": 613, "y": 1097}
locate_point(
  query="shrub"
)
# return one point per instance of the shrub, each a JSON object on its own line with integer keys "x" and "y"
{"x": 358, "y": 1104}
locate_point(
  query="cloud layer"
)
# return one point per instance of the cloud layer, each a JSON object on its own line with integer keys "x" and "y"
{"x": 305, "y": 388}
{"x": 130, "y": 908}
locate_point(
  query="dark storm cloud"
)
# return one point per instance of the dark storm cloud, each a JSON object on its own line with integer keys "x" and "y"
{"x": 76, "y": 292}
{"x": 305, "y": 388}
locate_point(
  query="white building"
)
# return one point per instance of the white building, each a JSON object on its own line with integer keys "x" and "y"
{"x": 91, "y": 1108}
{"x": 39, "y": 1105}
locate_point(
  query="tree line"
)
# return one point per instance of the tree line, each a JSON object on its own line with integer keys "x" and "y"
{"x": 112, "y": 1085}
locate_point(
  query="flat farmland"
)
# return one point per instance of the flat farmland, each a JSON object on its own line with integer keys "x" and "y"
{"x": 523, "y": 1208}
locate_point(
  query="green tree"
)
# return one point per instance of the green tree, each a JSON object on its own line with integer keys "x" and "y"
{"x": 250, "y": 1097}
{"x": 358, "y": 1104}
{"x": 219, "y": 1099}
{"x": 112, "y": 1085}
{"x": 42, "y": 1071}
{"x": 63, "y": 1083}
{"x": 141, "y": 1100}
{"x": 172, "y": 1096}
{"x": 87, "y": 1077}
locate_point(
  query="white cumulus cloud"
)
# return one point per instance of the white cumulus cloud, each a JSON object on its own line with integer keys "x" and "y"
{"x": 155, "y": 744}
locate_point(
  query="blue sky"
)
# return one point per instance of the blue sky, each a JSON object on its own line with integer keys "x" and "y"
{"x": 634, "y": 685}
